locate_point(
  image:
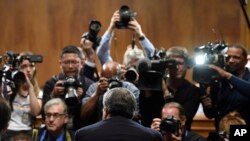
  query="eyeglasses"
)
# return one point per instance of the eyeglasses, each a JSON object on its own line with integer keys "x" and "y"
{"x": 54, "y": 115}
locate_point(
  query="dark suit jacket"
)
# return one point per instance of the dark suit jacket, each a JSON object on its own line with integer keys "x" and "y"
{"x": 117, "y": 129}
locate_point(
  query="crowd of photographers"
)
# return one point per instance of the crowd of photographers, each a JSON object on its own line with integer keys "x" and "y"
{"x": 165, "y": 100}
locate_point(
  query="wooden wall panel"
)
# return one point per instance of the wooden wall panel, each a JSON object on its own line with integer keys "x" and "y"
{"x": 46, "y": 26}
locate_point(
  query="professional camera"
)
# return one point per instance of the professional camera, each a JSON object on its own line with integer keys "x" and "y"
{"x": 131, "y": 74}
{"x": 11, "y": 76}
{"x": 170, "y": 124}
{"x": 152, "y": 71}
{"x": 114, "y": 82}
{"x": 70, "y": 85}
{"x": 92, "y": 35}
{"x": 211, "y": 53}
{"x": 125, "y": 17}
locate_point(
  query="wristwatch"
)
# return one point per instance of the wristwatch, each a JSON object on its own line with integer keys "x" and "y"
{"x": 141, "y": 37}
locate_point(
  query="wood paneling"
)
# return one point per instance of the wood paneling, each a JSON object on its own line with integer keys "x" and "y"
{"x": 46, "y": 26}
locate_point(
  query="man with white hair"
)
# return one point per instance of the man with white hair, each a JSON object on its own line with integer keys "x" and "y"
{"x": 132, "y": 55}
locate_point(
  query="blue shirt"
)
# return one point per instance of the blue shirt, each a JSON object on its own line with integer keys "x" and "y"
{"x": 48, "y": 138}
{"x": 103, "y": 51}
{"x": 92, "y": 88}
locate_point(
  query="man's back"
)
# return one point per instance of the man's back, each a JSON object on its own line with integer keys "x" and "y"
{"x": 117, "y": 128}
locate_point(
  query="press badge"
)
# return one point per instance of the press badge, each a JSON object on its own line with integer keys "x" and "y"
{"x": 25, "y": 118}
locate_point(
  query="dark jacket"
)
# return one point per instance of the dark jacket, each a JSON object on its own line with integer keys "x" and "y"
{"x": 74, "y": 108}
{"x": 42, "y": 135}
{"x": 228, "y": 96}
{"x": 117, "y": 128}
{"x": 188, "y": 95}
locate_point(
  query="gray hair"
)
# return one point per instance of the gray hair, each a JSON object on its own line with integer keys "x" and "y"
{"x": 178, "y": 51}
{"x": 120, "y": 101}
{"x": 55, "y": 101}
{"x": 177, "y": 106}
{"x": 132, "y": 53}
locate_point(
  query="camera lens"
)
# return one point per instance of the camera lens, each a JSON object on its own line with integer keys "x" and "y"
{"x": 94, "y": 27}
{"x": 125, "y": 16}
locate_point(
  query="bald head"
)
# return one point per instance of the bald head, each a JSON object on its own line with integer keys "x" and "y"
{"x": 110, "y": 69}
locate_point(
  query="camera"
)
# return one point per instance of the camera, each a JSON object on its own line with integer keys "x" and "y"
{"x": 114, "y": 82}
{"x": 92, "y": 35}
{"x": 171, "y": 125}
{"x": 131, "y": 74}
{"x": 70, "y": 85}
{"x": 125, "y": 17}
{"x": 152, "y": 71}
{"x": 11, "y": 76}
{"x": 211, "y": 53}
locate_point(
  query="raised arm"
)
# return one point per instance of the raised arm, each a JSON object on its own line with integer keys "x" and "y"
{"x": 103, "y": 51}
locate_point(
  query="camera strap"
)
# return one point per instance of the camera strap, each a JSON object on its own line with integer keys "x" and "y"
{"x": 133, "y": 41}
{"x": 185, "y": 135}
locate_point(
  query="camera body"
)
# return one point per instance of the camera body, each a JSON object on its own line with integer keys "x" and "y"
{"x": 131, "y": 74}
{"x": 114, "y": 82}
{"x": 11, "y": 76}
{"x": 70, "y": 85}
{"x": 152, "y": 71}
{"x": 170, "y": 124}
{"x": 126, "y": 15}
{"x": 92, "y": 35}
{"x": 211, "y": 53}
{"x": 13, "y": 60}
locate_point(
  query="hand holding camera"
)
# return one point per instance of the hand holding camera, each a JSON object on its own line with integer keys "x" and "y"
{"x": 102, "y": 86}
{"x": 134, "y": 25}
{"x": 220, "y": 71}
{"x": 92, "y": 34}
{"x": 156, "y": 124}
{"x": 126, "y": 15}
{"x": 58, "y": 89}
{"x": 115, "y": 18}
{"x": 169, "y": 127}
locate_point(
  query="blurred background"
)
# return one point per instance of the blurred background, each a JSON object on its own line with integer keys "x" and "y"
{"x": 45, "y": 26}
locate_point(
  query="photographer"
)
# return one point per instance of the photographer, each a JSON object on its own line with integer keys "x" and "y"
{"x": 89, "y": 41}
{"x": 69, "y": 84}
{"x": 91, "y": 110}
{"x": 25, "y": 98}
{"x": 231, "y": 91}
{"x": 172, "y": 124}
{"x": 232, "y": 118}
{"x": 175, "y": 88}
{"x": 103, "y": 51}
